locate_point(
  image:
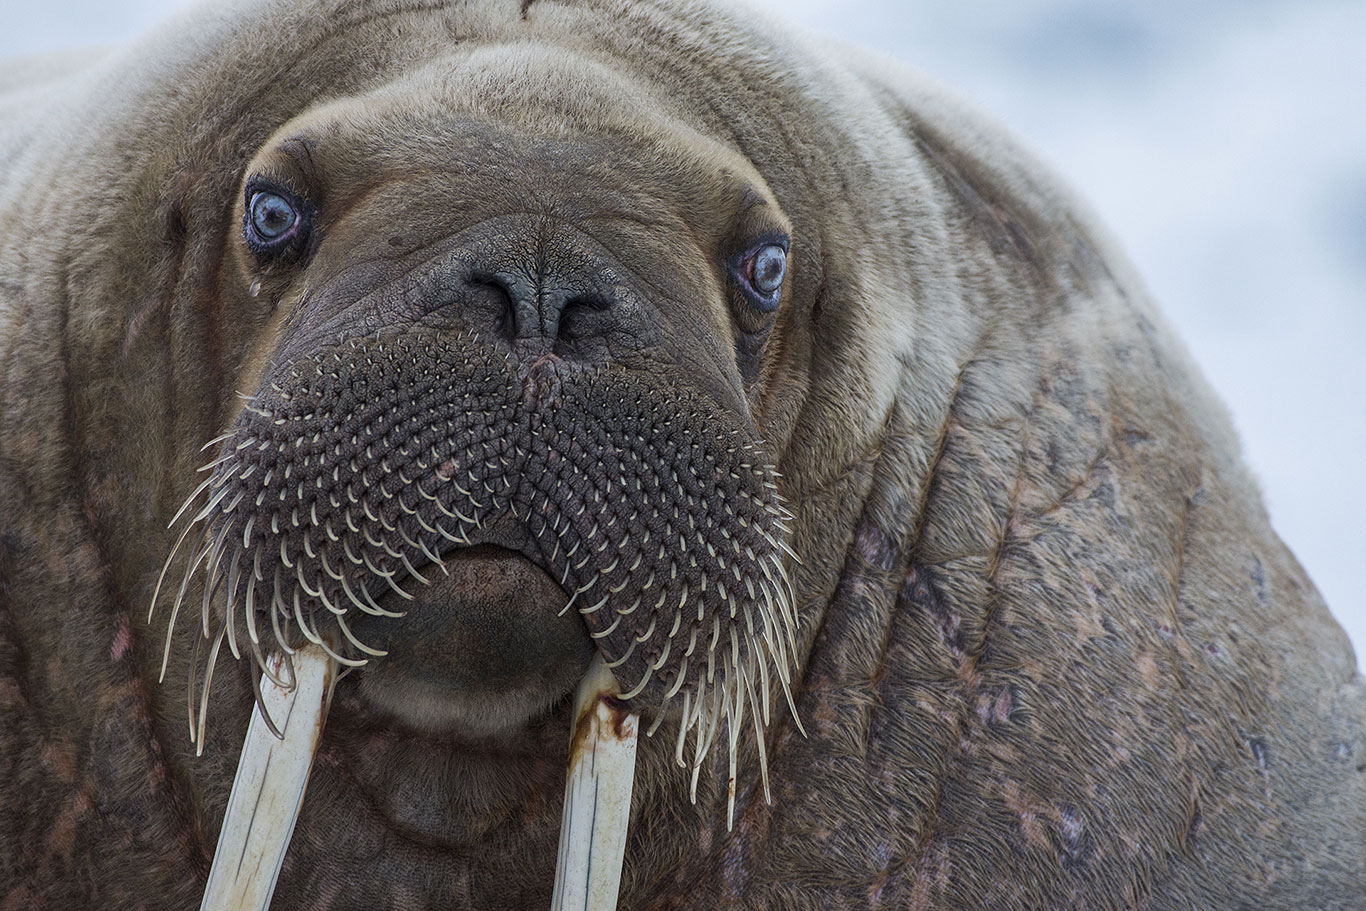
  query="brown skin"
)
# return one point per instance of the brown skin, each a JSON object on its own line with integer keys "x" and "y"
{"x": 1050, "y": 652}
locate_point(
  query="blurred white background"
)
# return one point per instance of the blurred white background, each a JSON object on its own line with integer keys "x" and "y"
{"x": 1224, "y": 143}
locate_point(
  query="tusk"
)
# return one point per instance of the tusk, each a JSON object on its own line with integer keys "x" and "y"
{"x": 269, "y": 787}
{"x": 597, "y": 795}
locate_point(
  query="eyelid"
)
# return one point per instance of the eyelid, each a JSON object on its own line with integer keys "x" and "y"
{"x": 774, "y": 238}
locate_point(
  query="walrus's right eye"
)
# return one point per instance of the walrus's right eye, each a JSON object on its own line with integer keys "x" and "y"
{"x": 274, "y": 222}
{"x": 272, "y": 216}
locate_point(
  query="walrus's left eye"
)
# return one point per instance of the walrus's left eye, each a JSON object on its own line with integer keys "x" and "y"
{"x": 761, "y": 275}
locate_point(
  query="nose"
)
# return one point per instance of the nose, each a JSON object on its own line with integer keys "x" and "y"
{"x": 538, "y": 308}
{"x": 544, "y": 290}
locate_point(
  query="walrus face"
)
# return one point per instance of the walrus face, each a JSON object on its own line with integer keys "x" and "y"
{"x": 501, "y": 422}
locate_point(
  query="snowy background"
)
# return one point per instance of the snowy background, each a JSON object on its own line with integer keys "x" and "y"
{"x": 1223, "y": 142}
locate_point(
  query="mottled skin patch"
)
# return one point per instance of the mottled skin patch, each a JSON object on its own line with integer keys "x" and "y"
{"x": 1051, "y": 654}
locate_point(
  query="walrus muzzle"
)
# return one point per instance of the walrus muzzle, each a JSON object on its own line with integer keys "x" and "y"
{"x": 370, "y": 464}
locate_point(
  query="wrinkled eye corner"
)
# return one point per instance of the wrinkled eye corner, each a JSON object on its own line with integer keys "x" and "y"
{"x": 276, "y": 222}
{"x": 760, "y": 271}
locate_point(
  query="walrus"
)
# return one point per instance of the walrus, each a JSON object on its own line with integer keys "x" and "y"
{"x": 483, "y": 347}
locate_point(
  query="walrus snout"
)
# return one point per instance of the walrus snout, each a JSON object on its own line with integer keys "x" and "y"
{"x": 482, "y": 648}
{"x": 357, "y": 470}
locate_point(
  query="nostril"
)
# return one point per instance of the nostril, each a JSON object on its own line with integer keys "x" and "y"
{"x": 588, "y": 301}
{"x": 577, "y": 310}
{"x": 490, "y": 292}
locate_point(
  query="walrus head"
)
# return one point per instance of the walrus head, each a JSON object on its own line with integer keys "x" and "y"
{"x": 501, "y": 421}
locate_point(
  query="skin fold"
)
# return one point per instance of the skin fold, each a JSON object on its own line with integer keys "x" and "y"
{"x": 958, "y": 488}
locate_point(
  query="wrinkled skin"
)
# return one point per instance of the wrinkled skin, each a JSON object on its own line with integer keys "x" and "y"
{"x": 1048, "y": 651}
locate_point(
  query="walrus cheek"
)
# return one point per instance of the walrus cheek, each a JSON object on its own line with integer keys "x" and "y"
{"x": 482, "y": 648}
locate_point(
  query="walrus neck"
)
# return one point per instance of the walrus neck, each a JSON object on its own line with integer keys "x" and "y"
{"x": 94, "y": 736}
{"x": 896, "y": 619}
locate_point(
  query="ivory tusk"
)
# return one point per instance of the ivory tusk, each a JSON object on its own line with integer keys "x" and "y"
{"x": 597, "y": 795}
{"x": 269, "y": 788}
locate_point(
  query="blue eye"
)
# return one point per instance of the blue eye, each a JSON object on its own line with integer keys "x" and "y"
{"x": 760, "y": 273}
{"x": 277, "y": 222}
{"x": 271, "y": 217}
{"x": 768, "y": 268}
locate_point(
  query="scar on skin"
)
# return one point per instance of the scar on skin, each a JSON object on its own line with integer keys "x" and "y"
{"x": 996, "y": 708}
{"x": 122, "y": 640}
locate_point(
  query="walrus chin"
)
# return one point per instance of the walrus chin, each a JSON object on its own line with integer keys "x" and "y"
{"x": 320, "y": 497}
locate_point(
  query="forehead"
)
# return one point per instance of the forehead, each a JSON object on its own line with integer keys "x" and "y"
{"x": 524, "y": 127}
